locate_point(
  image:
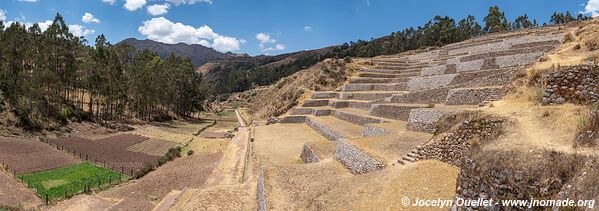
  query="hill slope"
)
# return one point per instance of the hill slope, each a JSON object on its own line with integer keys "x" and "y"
{"x": 199, "y": 54}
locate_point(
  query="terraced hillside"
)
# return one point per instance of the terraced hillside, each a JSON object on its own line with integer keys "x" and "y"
{"x": 399, "y": 99}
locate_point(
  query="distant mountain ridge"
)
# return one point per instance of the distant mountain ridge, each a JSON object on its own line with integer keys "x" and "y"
{"x": 199, "y": 54}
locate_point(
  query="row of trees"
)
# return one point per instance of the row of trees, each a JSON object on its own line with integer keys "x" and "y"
{"x": 53, "y": 74}
{"x": 445, "y": 30}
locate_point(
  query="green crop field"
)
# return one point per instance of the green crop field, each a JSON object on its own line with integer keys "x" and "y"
{"x": 71, "y": 180}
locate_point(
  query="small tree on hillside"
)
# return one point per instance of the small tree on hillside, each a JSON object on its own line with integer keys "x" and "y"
{"x": 495, "y": 21}
{"x": 522, "y": 22}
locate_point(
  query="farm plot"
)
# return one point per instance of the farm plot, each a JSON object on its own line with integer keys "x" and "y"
{"x": 155, "y": 147}
{"x": 27, "y": 155}
{"x": 109, "y": 152}
{"x": 71, "y": 180}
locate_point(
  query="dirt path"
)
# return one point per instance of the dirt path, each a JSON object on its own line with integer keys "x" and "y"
{"x": 537, "y": 127}
{"x": 230, "y": 170}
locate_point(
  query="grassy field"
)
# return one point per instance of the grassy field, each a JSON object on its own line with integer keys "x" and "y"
{"x": 71, "y": 179}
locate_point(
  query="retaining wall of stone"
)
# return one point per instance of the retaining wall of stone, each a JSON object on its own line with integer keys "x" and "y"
{"x": 261, "y": 193}
{"x": 355, "y": 160}
{"x": 355, "y": 119}
{"x": 424, "y": 120}
{"x": 293, "y": 119}
{"x": 430, "y": 82}
{"x": 373, "y": 130}
{"x": 473, "y": 96}
{"x": 308, "y": 155}
{"x": 323, "y": 130}
{"x": 577, "y": 84}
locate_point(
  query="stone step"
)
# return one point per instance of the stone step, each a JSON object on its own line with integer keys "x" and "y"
{"x": 400, "y": 67}
{"x": 359, "y": 80}
{"x": 367, "y": 95}
{"x": 473, "y": 96}
{"x": 403, "y": 162}
{"x": 397, "y": 111}
{"x": 356, "y": 116}
{"x": 374, "y": 70}
{"x": 388, "y": 75}
{"x": 375, "y": 87}
{"x": 425, "y": 119}
{"x": 409, "y": 159}
{"x": 381, "y": 129}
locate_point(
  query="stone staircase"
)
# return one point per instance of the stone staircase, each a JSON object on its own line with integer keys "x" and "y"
{"x": 399, "y": 99}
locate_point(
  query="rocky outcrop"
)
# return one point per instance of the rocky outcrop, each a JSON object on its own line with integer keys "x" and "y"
{"x": 577, "y": 84}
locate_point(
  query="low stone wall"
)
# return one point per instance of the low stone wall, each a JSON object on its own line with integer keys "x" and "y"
{"x": 427, "y": 96}
{"x": 451, "y": 147}
{"x": 308, "y": 155}
{"x": 473, "y": 96}
{"x": 261, "y": 193}
{"x": 424, "y": 120}
{"x": 373, "y": 130}
{"x": 355, "y": 119}
{"x": 577, "y": 84}
{"x": 323, "y": 130}
{"x": 315, "y": 103}
{"x": 430, "y": 82}
{"x": 355, "y": 160}
{"x": 324, "y": 95}
{"x": 399, "y": 112}
{"x": 293, "y": 119}
{"x": 499, "y": 175}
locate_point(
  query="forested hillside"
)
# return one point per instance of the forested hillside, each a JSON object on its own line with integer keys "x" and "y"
{"x": 53, "y": 75}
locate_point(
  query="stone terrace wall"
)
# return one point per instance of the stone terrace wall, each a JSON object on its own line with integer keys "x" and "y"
{"x": 452, "y": 146}
{"x": 501, "y": 175}
{"x": 355, "y": 160}
{"x": 577, "y": 84}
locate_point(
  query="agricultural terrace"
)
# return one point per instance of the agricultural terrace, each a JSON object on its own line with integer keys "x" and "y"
{"x": 111, "y": 152}
{"x": 23, "y": 156}
{"x": 71, "y": 180}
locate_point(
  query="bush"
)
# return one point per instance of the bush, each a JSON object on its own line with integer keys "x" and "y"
{"x": 65, "y": 115}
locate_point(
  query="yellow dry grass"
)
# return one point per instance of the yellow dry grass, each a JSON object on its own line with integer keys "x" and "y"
{"x": 328, "y": 185}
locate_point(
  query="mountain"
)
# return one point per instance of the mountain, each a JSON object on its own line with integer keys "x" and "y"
{"x": 242, "y": 73}
{"x": 199, "y": 54}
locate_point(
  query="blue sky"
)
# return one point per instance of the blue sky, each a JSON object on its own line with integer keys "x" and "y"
{"x": 265, "y": 26}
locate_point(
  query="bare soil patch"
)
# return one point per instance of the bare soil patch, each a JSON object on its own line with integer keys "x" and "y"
{"x": 110, "y": 152}
{"x": 145, "y": 193}
{"x": 15, "y": 194}
{"x": 154, "y": 147}
{"x": 28, "y": 155}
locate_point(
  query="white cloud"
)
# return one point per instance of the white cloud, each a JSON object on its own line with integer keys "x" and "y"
{"x": 280, "y": 47}
{"x": 307, "y": 28}
{"x": 264, "y": 38}
{"x": 133, "y": 5}
{"x": 592, "y": 8}
{"x": 44, "y": 25}
{"x": 163, "y": 30}
{"x": 28, "y": 0}
{"x": 109, "y": 1}
{"x": 158, "y": 9}
{"x": 178, "y": 2}
{"x": 2, "y": 15}
{"x": 89, "y": 18}
{"x": 79, "y": 30}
